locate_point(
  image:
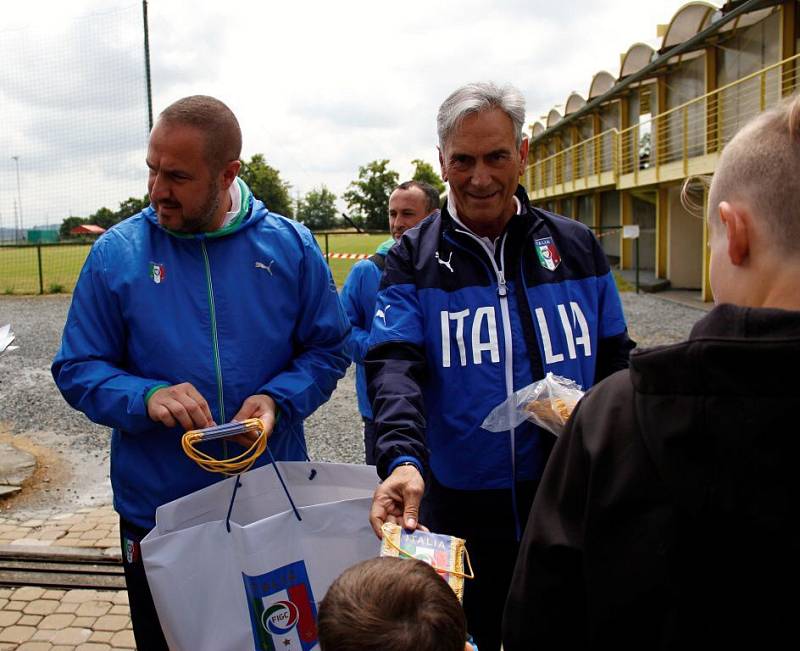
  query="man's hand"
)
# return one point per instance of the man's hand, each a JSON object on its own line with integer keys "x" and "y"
{"x": 180, "y": 404}
{"x": 397, "y": 499}
{"x": 257, "y": 406}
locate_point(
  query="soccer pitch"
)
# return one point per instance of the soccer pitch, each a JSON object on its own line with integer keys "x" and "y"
{"x": 59, "y": 264}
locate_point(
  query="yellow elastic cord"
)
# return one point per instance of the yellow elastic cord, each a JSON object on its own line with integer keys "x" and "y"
{"x": 441, "y": 570}
{"x": 235, "y": 465}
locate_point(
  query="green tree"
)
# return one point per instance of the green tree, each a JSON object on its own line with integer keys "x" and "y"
{"x": 131, "y": 206}
{"x": 317, "y": 209}
{"x": 424, "y": 172}
{"x": 368, "y": 196}
{"x": 104, "y": 218}
{"x": 68, "y": 224}
{"x": 266, "y": 184}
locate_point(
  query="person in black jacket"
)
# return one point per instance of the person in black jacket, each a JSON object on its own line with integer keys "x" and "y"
{"x": 474, "y": 304}
{"x": 666, "y": 516}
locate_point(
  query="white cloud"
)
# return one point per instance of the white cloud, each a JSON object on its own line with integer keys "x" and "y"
{"x": 319, "y": 87}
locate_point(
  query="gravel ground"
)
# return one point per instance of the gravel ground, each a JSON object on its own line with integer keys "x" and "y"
{"x": 73, "y": 452}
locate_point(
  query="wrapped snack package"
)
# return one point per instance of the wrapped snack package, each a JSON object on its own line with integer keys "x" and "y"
{"x": 445, "y": 554}
{"x": 548, "y": 403}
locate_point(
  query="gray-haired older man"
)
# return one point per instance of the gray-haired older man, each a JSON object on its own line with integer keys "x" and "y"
{"x": 475, "y": 304}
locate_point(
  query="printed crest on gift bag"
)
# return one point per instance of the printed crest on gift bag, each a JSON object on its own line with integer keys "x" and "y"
{"x": 283, "y": 612}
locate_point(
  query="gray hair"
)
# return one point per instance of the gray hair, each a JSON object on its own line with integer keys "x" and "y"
{"x": 477, "y": 97}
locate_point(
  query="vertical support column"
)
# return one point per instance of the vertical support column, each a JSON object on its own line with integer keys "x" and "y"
{"x": 685, "y": 143}
{"x": 148, "y": 83}
{"x": 573, "y": 152}
{"x": 625, "y": 218}
{"x": 788, "y": 46}
{"x": 712, "y": 101}
{"x": 41, "y": 273}
{"x": 662, "y": 231}
{"x": 559, "y": 160}
{"x": 597, "y": 125}
{"x": 625, "y": 142}
{"x": 596, "y": 213}
{"x": 659, "y": 131}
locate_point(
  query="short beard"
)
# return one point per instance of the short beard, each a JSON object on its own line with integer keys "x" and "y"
{"x": 204, "y": 218}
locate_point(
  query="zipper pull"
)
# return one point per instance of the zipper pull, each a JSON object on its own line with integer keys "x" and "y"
{"x": 501, "y": 285}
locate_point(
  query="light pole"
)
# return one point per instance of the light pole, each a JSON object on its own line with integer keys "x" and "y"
{"x": 19, "y": 202}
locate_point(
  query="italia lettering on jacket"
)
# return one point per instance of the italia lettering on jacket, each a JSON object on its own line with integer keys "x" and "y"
{"x": 482, "y": 340}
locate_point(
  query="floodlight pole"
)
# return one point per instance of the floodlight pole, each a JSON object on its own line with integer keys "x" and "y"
{"x": 18, "y": 223}
{"x": 147, "y": 67}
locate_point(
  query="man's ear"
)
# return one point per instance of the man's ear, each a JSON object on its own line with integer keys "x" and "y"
{"x": 229, "y": 172}
{"x": 736, "y": 222}
{"x": 441, "y": 164}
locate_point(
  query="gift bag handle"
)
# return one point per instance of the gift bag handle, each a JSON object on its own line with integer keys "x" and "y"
{"x": 283, "y": 485}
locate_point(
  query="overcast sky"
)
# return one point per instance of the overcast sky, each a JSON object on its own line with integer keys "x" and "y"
{"x": 319, "y": 87}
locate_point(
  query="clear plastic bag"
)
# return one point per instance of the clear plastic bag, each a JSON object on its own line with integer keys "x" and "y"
{"x": 548, "y": 403}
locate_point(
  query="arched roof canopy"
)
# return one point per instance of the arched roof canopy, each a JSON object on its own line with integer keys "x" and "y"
{"x": 553, "y": 117}
{"x": 636, "y": 58}
{"x": 537, "y": 128}
{"x": 689, "y": 20}
{"x": 574, "y": 102}
{"x": 750, "y": 18}
{"x": 602, "y": 82}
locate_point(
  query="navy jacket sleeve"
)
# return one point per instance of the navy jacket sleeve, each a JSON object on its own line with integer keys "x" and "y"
{"x": 320, "y": 341}
{"x": 89, "y": 366}
{"x": 614, "y": 345}
{"x": 396, "y": 368}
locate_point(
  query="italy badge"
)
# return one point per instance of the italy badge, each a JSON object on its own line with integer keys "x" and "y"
{"x": 549, "y": 257}
{"x": 157, "y": 272}
{"x": 283, "y": 612}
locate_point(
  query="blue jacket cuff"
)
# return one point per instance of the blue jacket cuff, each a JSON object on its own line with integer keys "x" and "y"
{"x": 401, "y": 460}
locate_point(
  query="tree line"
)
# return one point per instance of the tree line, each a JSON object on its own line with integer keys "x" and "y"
{"x": 367, "y": 197}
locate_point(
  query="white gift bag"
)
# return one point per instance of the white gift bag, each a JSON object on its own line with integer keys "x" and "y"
{"x": 233, "y": 568}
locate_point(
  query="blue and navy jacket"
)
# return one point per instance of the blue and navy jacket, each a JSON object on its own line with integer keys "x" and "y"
{"x": 458, "y": 329}
{"x": 249, "y": 309}
{"x": 358, "y": 297}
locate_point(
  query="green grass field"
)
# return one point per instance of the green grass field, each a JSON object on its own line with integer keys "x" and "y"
{"x": 61, "y": 263}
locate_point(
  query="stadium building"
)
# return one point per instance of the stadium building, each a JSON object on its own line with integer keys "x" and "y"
{"x": 619, "y": 155}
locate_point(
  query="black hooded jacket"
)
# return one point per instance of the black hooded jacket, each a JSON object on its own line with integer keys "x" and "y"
{"x": 665, "y": 518}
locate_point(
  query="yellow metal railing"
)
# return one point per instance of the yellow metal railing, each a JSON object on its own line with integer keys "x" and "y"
{"x": 703, "y": 125}
{"x": 590, "y": 157}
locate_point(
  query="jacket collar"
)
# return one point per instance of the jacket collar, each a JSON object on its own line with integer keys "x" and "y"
{"x": 251, "y": 211}
{"x": 728, "y": 321}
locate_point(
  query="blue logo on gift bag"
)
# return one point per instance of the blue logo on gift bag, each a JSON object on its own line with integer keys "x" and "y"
{"x": 283, "y": 612}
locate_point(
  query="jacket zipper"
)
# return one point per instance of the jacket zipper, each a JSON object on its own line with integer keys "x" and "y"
{"x": 502, "y": 293}
{"x": 215, "y": 341}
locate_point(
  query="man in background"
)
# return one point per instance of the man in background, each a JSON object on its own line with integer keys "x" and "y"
{"x": 203, "y": 308}
{"x": 409, "y": 203}
{"x": 666, "y": 518}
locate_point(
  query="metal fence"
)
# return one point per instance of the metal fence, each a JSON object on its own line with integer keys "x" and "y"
{"x": 53, "y": 268}
{"x": 41, "y": 268}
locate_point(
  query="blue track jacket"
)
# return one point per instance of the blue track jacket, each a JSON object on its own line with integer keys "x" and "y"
{"x": 457, "y": 330}
{"x": 249, "y": 309}
{"x": 358, "y": 296}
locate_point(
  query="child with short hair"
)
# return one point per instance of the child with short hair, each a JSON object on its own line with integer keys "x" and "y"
{"x": 391, "y": 604}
